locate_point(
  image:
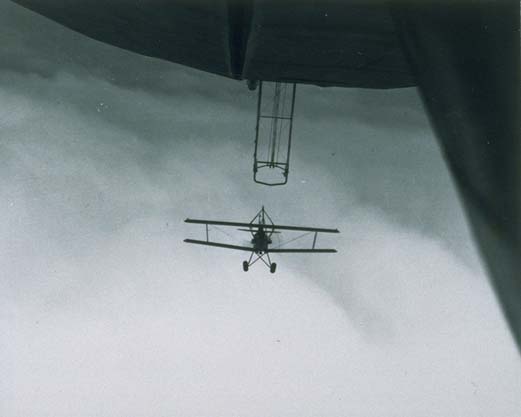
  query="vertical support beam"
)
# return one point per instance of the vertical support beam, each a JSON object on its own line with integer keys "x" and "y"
{"x": 314, "y": 240}
{"x": 286, "y": 170}
{"x": 255, "y": 152}
{"x": 207, "y": 232}
{"x": 275, "y": 125}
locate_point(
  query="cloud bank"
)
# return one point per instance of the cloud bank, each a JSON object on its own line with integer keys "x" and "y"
{"x": 105, "y": 311}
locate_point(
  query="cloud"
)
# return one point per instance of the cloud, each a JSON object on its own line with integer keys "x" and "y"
{"x": 105, "y": 311}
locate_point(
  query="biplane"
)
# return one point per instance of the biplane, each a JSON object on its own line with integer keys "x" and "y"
{"x": 261, "y": 228}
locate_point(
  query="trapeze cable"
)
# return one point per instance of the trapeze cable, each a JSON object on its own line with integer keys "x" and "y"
{"x": 270, "y": 141}
{"x": 275, "y": 114}
{"x": 285, "y": 90}
{"x": 270, "y": 138}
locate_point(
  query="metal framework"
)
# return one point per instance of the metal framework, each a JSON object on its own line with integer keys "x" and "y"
{"x": 275, "y": 107}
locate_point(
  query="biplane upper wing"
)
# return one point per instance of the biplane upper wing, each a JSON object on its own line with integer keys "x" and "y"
{"x": 301, "y": 250}
{"x": 301, "y": 228}
{"x": 265, "y": 226}
{"x": 218, "y": 223}
{"x": 219, "y": 245}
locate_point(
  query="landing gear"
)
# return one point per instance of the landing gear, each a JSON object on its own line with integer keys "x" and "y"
{"x": 259, "y": 255}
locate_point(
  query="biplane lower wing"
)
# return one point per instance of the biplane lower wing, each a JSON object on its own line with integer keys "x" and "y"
{"x": 264, "y": 226}
{"x": 219, "y": 245}
{"x": 250, "y": 249}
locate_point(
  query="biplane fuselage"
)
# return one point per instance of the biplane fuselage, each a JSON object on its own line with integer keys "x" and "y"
{"x": 260, "y": 241}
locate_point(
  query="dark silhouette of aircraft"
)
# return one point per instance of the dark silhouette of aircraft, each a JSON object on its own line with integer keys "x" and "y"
{"x": 464, "y": 56}
{"x": 261, "y": 228}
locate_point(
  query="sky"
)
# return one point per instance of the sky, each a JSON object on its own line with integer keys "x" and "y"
{"x": 104, "y": 311}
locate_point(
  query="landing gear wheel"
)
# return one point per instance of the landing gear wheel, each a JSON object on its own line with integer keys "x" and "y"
{"x": 245, "y": 266}
{"x": 273, "y": 267}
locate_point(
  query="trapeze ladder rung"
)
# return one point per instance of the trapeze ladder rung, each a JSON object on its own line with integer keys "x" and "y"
{"x": 276, "y": 117}
{"x": 282, "y": 164}
{"x": 270, "y": 165}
